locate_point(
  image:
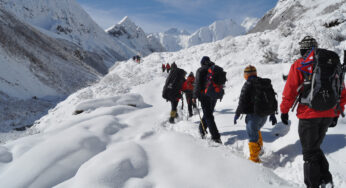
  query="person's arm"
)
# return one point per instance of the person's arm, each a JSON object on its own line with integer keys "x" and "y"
{"x": 244, "y": 99}
{"x": 290, "y": 93}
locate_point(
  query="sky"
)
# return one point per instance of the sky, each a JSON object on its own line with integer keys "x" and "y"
{"x": 161, "y": 15}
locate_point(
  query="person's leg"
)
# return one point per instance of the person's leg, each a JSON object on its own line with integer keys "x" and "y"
{"x": 311, "y": 134}
{"x": 189, "y": 103}
{"x": 253, "y": 125}
{"x": 208, "y": 109}
{"x": 174, "y": 114}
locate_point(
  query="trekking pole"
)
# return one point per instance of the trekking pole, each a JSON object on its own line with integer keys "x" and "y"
{"x": 203, "y": 127}
{"x": 182, "y": 101}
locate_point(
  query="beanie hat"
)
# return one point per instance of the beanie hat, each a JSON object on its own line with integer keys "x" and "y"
{"x": 308, "y": 43}
{"x": 250, "y": 71}
{"x": 205, "y": 60}
{"x": 191, "y": 74}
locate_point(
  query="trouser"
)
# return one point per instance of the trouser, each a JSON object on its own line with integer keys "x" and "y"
{"x": 253, "y": 124}
{"x": 208, "y": 106}
{"x": 316, "y": 167}
{"x": 174, "y": 105}
{"x": 190, "y": 104}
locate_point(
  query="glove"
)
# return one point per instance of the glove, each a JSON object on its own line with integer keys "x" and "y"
{"x": 284, "y": 119}
{"x": 334, "y": 122}
{"x": 236, "y": 117}
{"x": 272, "y": 118}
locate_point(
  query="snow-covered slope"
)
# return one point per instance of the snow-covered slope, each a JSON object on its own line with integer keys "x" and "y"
{"x": 122, "y": 138}
{"x": 133, "y": 36}
{"x": 298, "y": 12}
{"x": 35, "y": 65}
{"x": 174, "y": 40}
{"x": 65, "y": 19}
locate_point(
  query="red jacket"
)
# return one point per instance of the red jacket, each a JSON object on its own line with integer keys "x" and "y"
{"x": 188, "y": 84}
{"x": 294, "y": 80}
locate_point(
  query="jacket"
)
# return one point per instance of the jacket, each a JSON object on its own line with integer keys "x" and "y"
{"x": 188, "y": 84}
{"x": 201, "y": 79}
{"x": 294, "y": 80}
{"x": 246, "y": 99}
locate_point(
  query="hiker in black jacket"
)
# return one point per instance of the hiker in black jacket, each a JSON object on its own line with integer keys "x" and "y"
{"x": 254, "y": 122}
{"x": 172, "y": 89}
{"x": 207, "y": 103}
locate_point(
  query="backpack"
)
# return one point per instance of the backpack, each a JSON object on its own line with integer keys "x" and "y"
{"x": 265, "y": 102}
{"x": 322, "y": 86}
{"x": 216, "y": 79}
{"x": 173, "y": 85}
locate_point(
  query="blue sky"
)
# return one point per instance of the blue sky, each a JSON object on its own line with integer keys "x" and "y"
{"x": 160, "y": 15}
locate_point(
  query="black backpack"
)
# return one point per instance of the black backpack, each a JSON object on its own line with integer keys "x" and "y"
{"x": 322, "y": 90}
{"x": 173, "y": 85}
{"x": 265, "y": 102}
{"x": 216, "y": 79}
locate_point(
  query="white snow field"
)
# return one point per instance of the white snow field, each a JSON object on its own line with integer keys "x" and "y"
{"x": 121, "y": 137}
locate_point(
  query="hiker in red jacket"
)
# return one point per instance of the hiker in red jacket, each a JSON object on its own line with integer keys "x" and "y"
{"x": 163, "y": 67}
{"x": 188, "y": 89}
{"x": 315, "y": 116}
{"x": 168, "y": 67}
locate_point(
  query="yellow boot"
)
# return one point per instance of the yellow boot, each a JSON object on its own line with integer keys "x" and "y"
{"x": 255, "y": 149}
{"x": 173, "y": 115}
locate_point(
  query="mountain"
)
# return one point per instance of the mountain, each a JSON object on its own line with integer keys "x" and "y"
{"x": 174, "y": 40}
{"x": 66, "y": 20}
{"x": 48, "y": 50}
{"x": 115, "y": 133}
{"x": 216, "y": 31}
{"x": 133, "y": 36}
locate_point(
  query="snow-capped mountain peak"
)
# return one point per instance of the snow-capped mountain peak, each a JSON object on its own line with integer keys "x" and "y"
{"x": 134, "y": 36}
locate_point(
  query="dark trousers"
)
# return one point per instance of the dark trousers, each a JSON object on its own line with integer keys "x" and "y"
{"x": 316, "y": 167}
{"x": 190, "y": 104}
{"x": 174, "y": 105}
{"x": 208, "y": 106}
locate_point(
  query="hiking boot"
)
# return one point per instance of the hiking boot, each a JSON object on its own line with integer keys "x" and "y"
{"x": 327, "y": 185}
{"x": 217, "y": 140}
{"x": 171, "y": 120}
{"x": 255, "y": 149}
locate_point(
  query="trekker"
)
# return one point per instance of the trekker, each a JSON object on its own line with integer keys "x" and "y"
{"x": 172, "y": 89}
{"x": 249, "y": 104}
{"x": 188, "y": 89}
{"x": 163, "y": 67}
{"x": 208, "y": 103}
{"x": 315, "y": 81}
{"x": 168, "y": 67}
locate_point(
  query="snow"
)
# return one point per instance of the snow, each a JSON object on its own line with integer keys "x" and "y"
{"x": 122, "y": 138}
{"x": 248, "y": 23}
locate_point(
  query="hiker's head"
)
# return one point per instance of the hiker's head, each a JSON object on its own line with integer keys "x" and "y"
{"x": 250, "y": 71}
{"x": 173, "y": 66}
{"x": 307, "y": 44}
{"x": 205, "y": 60}
{"x": 191, "y": 74}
